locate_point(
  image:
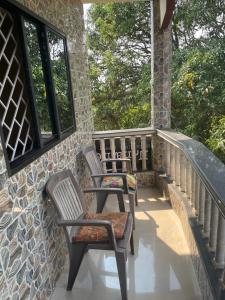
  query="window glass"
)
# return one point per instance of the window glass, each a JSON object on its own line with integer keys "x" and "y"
{"x": 60, "y": 78}
{"x": 38, "y": 80}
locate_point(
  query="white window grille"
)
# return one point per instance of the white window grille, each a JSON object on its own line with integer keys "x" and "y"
{"x": 14, "y": 110}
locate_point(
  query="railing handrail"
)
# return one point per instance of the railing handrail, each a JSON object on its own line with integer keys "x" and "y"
{"x": 123, "y": 133}
{"x": 206, "y": 164}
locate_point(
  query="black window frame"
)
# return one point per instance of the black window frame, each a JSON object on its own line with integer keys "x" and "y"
{"x": 22, "y": 14}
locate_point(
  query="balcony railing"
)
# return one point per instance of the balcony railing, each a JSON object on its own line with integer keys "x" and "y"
{"x": 201, "y": 176}
{"x": 194, "y": 170}
{"x": 132, "y": 143}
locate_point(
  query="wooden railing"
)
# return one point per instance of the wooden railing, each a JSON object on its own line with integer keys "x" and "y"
{"x": 199, "y": 174}
{"x": 128, "y": 143}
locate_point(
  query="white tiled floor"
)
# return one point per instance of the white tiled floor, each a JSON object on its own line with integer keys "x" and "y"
{"x": 161, "y": 268}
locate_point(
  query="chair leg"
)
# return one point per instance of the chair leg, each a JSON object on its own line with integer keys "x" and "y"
{"x": 76, "y": 256}
{"x": 131, "y": 198}
{"x": 132, "y": 244}
{"x": 121, "y": 266}
{"x": 101, "y": 199}
{"x": 121, "y": 202}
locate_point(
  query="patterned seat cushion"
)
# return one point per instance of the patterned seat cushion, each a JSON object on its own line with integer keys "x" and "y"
{"x": 100, "y": 234}
{"x": 131, "y": 180}
{"x": 117, "y": 182}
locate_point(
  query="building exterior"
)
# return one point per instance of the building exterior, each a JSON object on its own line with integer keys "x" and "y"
{"x": 32, "y": 246}
{"x": 32, "y": 249}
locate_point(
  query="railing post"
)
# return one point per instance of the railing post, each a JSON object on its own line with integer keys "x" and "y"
{"x": 133, "y": 153}
{"x": 144, "y": 154}
{"x": 193, "y": 185}
{"x": 182, "y": 172}
{"x": 172, "y": 159}
{"x": 213, "y": 227}
{"x": 202, "y": 195}
{"x": 187, "y": 178}
{"x": 220, "y": 247}
{"x": 113, "y": 153}
{"x": 168, "y": 162}
{"x": 164, "y": 156}
{"x": 177, "y": 166}
{"x": 123, "y": 153}
{"x": 207, "y": 219}
{"x": 197, "y": 191}
{"x": 102, "y": 149}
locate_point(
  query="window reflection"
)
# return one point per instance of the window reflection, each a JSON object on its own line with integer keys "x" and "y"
{"x": 60, "y": 78}
{"x": 38, "y": 80}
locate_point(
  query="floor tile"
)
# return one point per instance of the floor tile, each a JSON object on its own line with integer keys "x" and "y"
{"x": 161, "y": 268}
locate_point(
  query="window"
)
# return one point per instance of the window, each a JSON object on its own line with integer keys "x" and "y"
{"x": 37, "y": 74}
{"x": 36, "y": 108}
{"x": 59, "y": 72}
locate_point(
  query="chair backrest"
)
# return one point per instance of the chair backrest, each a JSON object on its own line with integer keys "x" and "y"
{"x": 63, "y": 189}
{"x": 93, "y": 162}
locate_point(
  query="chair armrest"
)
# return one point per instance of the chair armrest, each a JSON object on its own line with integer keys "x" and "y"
{"x": 87, "y": 222}
{"x": 84, "y": 222}
{"x": 103, "y": 190}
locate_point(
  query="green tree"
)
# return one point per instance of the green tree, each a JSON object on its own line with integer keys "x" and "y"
{"x": 198, "y": 85}
{"x": 119, "y": 43}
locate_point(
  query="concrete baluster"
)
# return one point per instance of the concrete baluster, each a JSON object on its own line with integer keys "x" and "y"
{"x": 102, "y": 148}
{"x": 168, "y": 162}
{"x": 182, "y": 172}
{"x": 144, "y": 153}
{"x": 197, "y": 192}
{"x": 177, "y": 166}
{"x": 172, "y": 159}
{"x": 113, "y": 153}
{"x": 133, "y": 153}
{"x": 193, "y": 186}
{"x": 207, "y": 218}
{"x": 213, "y": 227}
{"x": 123, "y": 153}
{"x": 187, "y": 178}
{"x": 202, "y": 195}
{"x": 220, "y": 246}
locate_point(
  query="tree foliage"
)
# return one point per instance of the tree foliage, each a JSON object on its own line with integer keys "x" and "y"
{"x": 119, "y": 44}
{"x": 198, "y": 89}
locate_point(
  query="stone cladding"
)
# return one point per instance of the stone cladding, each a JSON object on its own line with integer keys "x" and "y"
{"x": 32, "y": 247}
{"x": 161, "y": 85}
{"x": 161, "y": 73}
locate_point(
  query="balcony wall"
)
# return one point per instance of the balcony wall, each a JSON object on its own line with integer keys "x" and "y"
{"x": 31, "y": 245}
{"x": 194, "y": 182}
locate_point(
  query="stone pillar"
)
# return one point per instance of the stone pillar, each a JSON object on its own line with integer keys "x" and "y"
{"x": 161, "y": 71}
{"x": 161, "y": 47}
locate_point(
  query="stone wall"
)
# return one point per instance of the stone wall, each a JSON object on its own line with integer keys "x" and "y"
{"x": 32, "y": 247}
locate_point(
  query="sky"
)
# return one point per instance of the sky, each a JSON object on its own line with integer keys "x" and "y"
{"x": 86, "y": 7}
